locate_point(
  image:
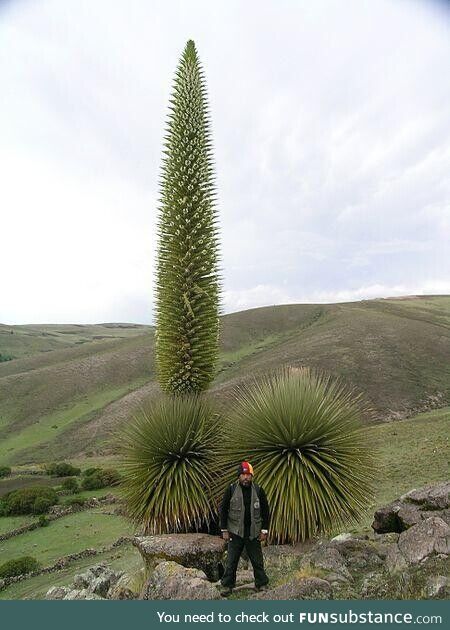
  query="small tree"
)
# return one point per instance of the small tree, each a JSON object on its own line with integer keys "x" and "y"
{"x": 187, "y": 322}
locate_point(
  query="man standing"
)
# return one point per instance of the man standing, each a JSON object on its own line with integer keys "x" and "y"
{"x": 244, "y": 521}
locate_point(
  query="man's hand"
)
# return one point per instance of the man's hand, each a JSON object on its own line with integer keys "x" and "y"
{"x": 262, "y": 537}
{"x": 226, "y": 536}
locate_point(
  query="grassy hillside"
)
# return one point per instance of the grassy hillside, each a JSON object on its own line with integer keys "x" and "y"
{"x": 71, "y": 385}
{"x": 25, "y": 341}
{"x": 410, "y": 453}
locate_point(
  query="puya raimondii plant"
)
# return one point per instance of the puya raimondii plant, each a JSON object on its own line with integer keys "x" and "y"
{"x": 188, "y": 290}
{"x": 302, "y": 432}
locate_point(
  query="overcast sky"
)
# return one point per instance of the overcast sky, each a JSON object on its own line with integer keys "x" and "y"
{"x": 331, "y": 128}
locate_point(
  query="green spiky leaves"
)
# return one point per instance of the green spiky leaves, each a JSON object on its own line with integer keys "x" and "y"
{"x": 187, "y": 317}
{"x": 170, "y": 464}
{"x": 303, "y": 436}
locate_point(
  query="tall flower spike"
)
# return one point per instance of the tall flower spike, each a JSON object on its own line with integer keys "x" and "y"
{"x": 188, "y": 284}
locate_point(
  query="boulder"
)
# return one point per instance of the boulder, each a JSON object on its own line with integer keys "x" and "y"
{"x": 430, "y": 497}
{"x": 385, "y": 518}
{"x": 75, "y": 594}
{"x": 170, "y": 580}
{"x": 412, "y": 508}
{"x": 359, "y": 554}
{"x": 299, "y": 588}
{"x": 429, "y": 538}
{"x": 57, "y": 592}
{"x": 327, "y": 558}
{"x": 122, "y": 589}
{"x": 97, "y": 580}
{"x": 198, "y": 551}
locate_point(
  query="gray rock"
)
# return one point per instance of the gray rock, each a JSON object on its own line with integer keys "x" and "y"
{"x": 385, "y": 519}
{"x": 409, "y": 515}
{"x": 430, "y": 497}
{"x": 342, "y": 537}
{"x": 200, "y": 551}
{"x": 326, "y": 558}
{"x": 57, "y": 592}
{"x": 395, "y": 561}
{"x": 438, "y": 586}
{"x": 122, "y": 589}
{"x": 170, "y": 580}
{"x": 82, "y": 580}
{"x": 412, "y": 508}
{"x": 396, "y": 517}
{"x": 97, "y": 579}
{"x": 431, "y": 536}
{"x": 76, "y": 594}
{"x": 301, "y": 588}
{"x": 359, "y": 554}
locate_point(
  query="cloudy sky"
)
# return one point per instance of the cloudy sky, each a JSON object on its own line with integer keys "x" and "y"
{"x": 331, "y": 127}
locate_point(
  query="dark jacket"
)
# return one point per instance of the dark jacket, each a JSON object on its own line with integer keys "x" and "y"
{"x": 263, "y": 510}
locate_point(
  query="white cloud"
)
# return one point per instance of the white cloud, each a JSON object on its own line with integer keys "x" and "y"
{"x": 266, "y": 295}
{"x": 332, "y": 139}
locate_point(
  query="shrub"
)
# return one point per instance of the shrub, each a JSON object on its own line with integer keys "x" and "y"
{"x": 170, "y": 464}
{"x": 34, "y": 500}
{"x": 302, "y": 433}
{"x": 70, "y": 485}
{"x": 62, "y": 469}
{"x": 100, "y": 478}
{"x": 5, "y": 357}
{"x": 93, "y": 482}
{"x": 111, "y": 477}
{"x": 5, "y": 471}
{"x": 75, "y": 501}
{"x": 43, "y": 520}
{"x": 18, "y": 566}
{"x": 90, "y": 471}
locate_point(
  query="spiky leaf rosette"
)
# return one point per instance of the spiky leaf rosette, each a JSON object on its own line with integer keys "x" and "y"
{"x": 302, "y": 434}
{"x": 187, "y": 300}
{"x": 169, "y": 464}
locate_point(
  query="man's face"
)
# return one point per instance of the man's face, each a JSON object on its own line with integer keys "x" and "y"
{"x": 245, "y": 479}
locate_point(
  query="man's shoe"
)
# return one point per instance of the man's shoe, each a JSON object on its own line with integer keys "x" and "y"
{"x": 264, "y": 587}
{"x": 226, "y": 591}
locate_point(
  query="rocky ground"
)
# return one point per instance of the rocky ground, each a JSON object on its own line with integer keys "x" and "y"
{"x": 406, "y": 557}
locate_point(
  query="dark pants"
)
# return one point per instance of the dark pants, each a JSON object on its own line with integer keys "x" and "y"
{"x": 253, "y": 547}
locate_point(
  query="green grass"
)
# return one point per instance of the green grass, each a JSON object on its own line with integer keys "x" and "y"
{"x": 411, "y": 454}
{"x": 28, "y": 340}
{"x": 48, "y": 427}
{"x": 15, "y": 482}
{"x": 70, "y": 534}
{"x": 8, "y": 523}
{"x": 397, "y": 352}
{"x": 124, "y": 558}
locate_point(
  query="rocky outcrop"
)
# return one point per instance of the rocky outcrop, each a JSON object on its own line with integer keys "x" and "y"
{"x": 170, "y": 580}
{"x": 414, "y": 507}
{"x": 410, "y": 561}
{"x": 431, "y": 497}
{"x": 428, "y": 538}
{"x": 95, "y": 583}
{"x": 198, "y": 551}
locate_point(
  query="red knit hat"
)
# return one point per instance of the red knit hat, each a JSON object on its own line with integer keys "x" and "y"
{"x": 245, "y": 468}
